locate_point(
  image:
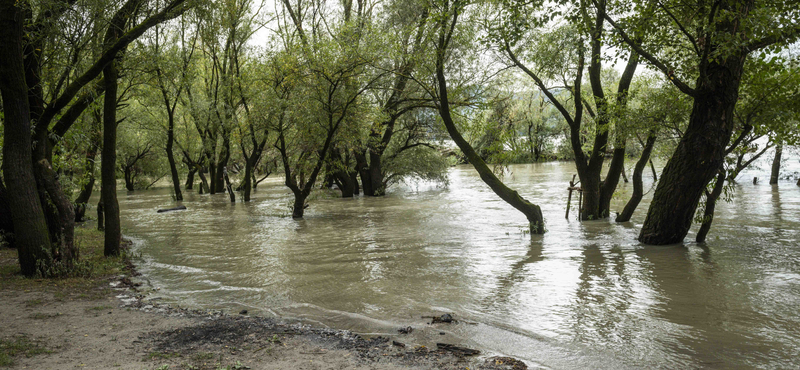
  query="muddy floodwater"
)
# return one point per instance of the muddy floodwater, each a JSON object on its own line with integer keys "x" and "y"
{"x": 586, "y": 295}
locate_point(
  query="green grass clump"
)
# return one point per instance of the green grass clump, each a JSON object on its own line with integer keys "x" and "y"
{"x": 19, "y": 346}
{"x": 84, "y": 275}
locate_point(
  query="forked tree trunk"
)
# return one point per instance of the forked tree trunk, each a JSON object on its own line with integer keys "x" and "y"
{"x": 776, "y": 165}
{"x": 638, "y": 187}
{"x": 698, "y": 156}
{"x": 711, "y": 203}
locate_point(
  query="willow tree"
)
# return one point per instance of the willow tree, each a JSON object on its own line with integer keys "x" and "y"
{"x": 708, "y": 42}
{"x": 447, "y": 14}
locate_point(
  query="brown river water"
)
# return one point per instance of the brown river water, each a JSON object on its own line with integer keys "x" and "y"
{"x": 584, "y": 295}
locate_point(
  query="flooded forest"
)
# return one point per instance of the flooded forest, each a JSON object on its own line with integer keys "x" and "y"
{"x": 579, "y": 184}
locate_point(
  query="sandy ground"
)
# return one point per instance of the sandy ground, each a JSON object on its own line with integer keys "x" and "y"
{"x": 115, "y": 328}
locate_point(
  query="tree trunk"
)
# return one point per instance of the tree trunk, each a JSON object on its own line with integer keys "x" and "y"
{"x": 711, "y": 202}
{"x": 376, "y": 174}
{"x": 248, "y": 177}
{"x": 653, "y": 169}
{"x": 531, "y": 211}
{"x": 228, "y": 185}
{"x": 101, "y": 225}
{"x": 299, "y": 204}
{"x": 222, "y": 162}
{"x": 67, "y": 252}
{"x": 190, "y": 178}
{"x": 364, "y": 173}
{"x": 88, "y": 169}
{"x": 638, "y": 187}
{"x": 203, "y": 182}
{"x": 776, "y": 165}
{"x": 128, "y": 175}
{"x": 173, "y": 169}
{"x": 26, "y": 210}
{"x": 698, "y": 156}
{"x": 113, "y": 233}
{"x": 624, "y": 175}
{"x": 6, "y": 223}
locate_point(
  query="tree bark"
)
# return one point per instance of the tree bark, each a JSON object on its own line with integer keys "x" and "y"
{"x": 638, "y": 187}
{"x": 26, "y": 210}
{"x": 776, "y": 165}
{"x": 231, "y": 194}
{"x": 711, "y": 203}
{"x": 101, "y": 225}
{"x": 698, "y": 156}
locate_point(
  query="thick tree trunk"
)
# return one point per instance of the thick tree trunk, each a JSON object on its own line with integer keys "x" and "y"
{"x": 113, "y": 233}
{"x": 638, "y": 187}
{"x": 299, "y": 206}
{"x": 699, "y": 154}
{"x": 776, "y": 165}
{"x": 711, "y": 203}
{"x": 27, "y": 214}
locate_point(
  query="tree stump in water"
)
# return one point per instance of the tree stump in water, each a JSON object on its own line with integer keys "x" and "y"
{"x": 178, "y": 208}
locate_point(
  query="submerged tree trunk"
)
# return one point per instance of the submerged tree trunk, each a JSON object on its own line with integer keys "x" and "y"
{"x": 776, "y": 165}
{"x": 228, "y": 185}
{"x": 26, "y": 210}
{"x": 173, "y": 169}
{"x": 531, "y": 211}
{"x": 711, "y": 202}
{"x": 698, "y": 156}
{"x": 638, "y": 187}
{"x": 190, "y": 178}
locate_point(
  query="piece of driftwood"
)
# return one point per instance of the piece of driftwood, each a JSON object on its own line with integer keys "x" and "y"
{"x": 178, "y": 208}
{"x": 463, "y": 351}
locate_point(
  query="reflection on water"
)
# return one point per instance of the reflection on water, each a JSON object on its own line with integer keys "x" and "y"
{"x": 584, "y": 295}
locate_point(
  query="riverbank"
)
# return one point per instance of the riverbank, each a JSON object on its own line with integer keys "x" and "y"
{"x": 101, "y": 321}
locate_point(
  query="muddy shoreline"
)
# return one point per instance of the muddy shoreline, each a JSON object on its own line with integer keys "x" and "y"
{"x": 112, "y": 324}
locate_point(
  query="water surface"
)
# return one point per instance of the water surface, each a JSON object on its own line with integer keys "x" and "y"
{"x": 584, "y": 295}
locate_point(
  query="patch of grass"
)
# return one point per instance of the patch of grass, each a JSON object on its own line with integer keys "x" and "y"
{"x": 162, "y": 355}
{"x": 19, "y": 346}
{"x": 44, "y": 316}
{"x": 83, "y": 278}
{"x": 33, "y": 303}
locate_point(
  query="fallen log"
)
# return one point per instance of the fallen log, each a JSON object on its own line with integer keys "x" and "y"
{"x": 463, "y": 351}
{"x": 178, "y": 208}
